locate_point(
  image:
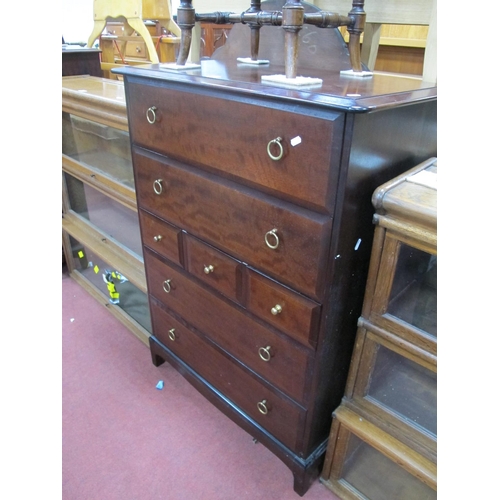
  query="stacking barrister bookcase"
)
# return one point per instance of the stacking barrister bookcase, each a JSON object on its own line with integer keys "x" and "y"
{"x": 383, "y": 438}
{"x": 100, "y": 226}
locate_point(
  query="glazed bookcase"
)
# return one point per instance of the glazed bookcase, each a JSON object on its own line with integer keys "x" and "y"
{"x": 383, "y": 440}
{"x": 100, "y": 226}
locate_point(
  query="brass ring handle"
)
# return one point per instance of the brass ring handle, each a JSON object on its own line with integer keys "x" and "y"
{"x": 171, "y": 335}
{"x": 208, "y": 269}
{"x": 166, "y": 286}
{"x": 276, "y": 141}
{"x": 151, "y": 114}
{"x": 265, "y": 353}
{"x": 276, "y": 310}
{"x": 261, "y": 405}
{"x": 158, "y": 238}
{"x": 271, "y": 239}
{"x": 158, "y": 186}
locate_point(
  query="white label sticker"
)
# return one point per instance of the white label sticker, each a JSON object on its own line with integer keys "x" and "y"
{"x": 296, "y": 141}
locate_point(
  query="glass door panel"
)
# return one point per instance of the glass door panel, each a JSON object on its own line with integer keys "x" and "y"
{"x": 405, "y": 388}
{"x": 377, "y": 477}
{"x": 120, "y": 292}
{"x": 110, "y": 216}
{"x": 99, "y": 147}
{"x": 413, "y": 296}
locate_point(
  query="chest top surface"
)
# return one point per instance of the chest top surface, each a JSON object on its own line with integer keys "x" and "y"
{"x": 338, "y": 92}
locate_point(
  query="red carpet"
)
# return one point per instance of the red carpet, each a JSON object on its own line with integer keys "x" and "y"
{"x": 123, "y": 439}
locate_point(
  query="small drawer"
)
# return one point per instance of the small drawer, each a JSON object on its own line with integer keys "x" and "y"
{"x": 286, "y": 242}
{"x": 281, "y": 361}
{"x": 212, "y": 266}
{"x": 160, "y": 236}
{"x": 286, "y": 153}
{"x": 276, "y": 413}
{"x": 283, "y": 308}
{"x": 136, "y": 49}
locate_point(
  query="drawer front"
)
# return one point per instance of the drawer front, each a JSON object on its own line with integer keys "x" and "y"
{"x": 160, "y": 236}
{"x": 213, "y": 267}
{"x": 136, "y": 49}
{"x": 237, "y": 221}
{"x": 280, "y": 361}
{"x": 283, "y": 308}
{"x": 234, "y": 137}
{"x": 281, "y": 416}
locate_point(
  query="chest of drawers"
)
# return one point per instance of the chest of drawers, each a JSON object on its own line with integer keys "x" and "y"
{"x": 256, "y": 220}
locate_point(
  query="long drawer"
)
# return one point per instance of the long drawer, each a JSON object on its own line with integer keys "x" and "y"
{"x": 281, "y": 361}
{"x": 288, "y": 243}
{"x": 276, "y": 413}
{"x": 237, "y": 138}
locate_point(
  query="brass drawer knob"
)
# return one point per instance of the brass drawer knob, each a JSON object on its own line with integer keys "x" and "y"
{"x": 276, "y": 142}
{"x": 262, "y": 406}
{"x": 271, "y": 238}
{"x": 158, "y": 238}
{"x": 276, "y": 310}
{"x": 208, "y": 269}
{"x": 166, "y": 286}
{"x": 158, "y": 186}
{"x": 265, "y": 353}
{"x": 171, "y": 335}
{"x": 138, "y": 50}
{"x": 151, "y": 114}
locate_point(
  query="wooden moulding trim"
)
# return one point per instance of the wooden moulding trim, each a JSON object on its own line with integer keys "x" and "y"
{"x": 402, "y": 346}
{"x": 381, "y": 191}
{"x": 424, "y": 443}
{"x": 98, "y": 180}
{"x": 106, "y": 248}
{"x": 332, "y": 441}
{"x": 357, "y": 355}
{"x": 94, "y": 108}
{"x": 403, "y": 42}
{"x": 414, "y": 232}
{"x": 402, "y": 455}
{"x": 138, "y": 330}
{"x": 418, "y": 43}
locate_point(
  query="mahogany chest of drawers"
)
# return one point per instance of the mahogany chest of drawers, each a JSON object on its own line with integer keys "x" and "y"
{"x": 256, "y": 220}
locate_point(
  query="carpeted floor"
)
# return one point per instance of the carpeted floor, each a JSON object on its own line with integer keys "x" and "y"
{"x": 123, "y": 439}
